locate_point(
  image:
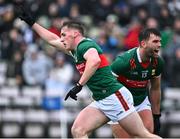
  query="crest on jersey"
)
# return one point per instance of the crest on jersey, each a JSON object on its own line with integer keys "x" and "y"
{"x": 153, "y": 72}
{"x": 132, "y": 63}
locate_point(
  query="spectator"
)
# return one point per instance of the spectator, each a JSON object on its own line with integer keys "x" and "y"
{"x": 152, "y": 22}
{"x": 171, "y": 55}
{"x": 14, "y": 69}
{"x": 74, "y": 12}
{"x": 142, "y": 15}
{"x": 63, "y": 6}
{"x": 60, "y": 76}
{"x": 131, "y": 39}
{"x": 123, "y": 11}
{"x": 102, "y": 9}
{"x": 36, "y": 67}
{"x": 165, "y": 19}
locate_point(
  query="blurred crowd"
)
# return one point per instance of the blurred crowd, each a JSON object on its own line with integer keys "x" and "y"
{"x": 113, "y": 24}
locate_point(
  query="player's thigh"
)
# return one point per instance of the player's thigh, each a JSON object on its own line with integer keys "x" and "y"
{"x": 118, "y": 131}
{"x": 144, "y": 110}
{"x": 89, "y": 119}
{"x": 133, "y": 124}
{"x": 146, "y": 116}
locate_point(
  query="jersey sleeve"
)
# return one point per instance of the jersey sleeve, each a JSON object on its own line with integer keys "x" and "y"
{"x": 83, "y": 48}
{"x": 120, "y": 65}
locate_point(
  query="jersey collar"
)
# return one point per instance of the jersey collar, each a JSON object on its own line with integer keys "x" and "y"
{"x": 138, "y": 55}
{"x": 83, "y": 39}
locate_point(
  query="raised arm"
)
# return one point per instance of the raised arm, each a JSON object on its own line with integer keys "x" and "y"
{"x": 49, "y": 37}
{"x": 45, "y": 34}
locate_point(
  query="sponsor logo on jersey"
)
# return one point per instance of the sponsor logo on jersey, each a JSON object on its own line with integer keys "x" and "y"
{"x": 81, "y": 67}
{"x": 132, "y": 83}
{"x": 134, "y": 73}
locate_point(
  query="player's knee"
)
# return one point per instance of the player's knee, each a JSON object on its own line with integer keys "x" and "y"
{"x": 143, "y": 133}
{"x": 149, "y": 126}
{"x": 78, "y": 131}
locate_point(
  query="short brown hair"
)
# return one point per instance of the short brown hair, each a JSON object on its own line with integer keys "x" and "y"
{"x": 145, "y": 34}
{"x": 75, "y": 25}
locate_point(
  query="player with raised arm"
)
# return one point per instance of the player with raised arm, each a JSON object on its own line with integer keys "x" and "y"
{"x": 112, "y": 101}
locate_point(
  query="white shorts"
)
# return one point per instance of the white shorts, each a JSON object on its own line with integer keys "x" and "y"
{"x": 116, "y": 106}
{"x": 145, "y": 105}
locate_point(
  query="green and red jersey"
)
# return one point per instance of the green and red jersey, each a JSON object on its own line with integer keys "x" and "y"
{"x": 102, "y": 83}
{"x": 134, "y": 74}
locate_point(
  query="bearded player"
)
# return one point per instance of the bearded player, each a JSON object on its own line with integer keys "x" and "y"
{"x": 139, "y": 69}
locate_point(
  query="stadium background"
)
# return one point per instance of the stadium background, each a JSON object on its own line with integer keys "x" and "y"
{"x": 34, "y": 77}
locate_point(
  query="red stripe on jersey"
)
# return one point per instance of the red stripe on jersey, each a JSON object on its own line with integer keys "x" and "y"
{"x": 122, "y": 100}
{"x": 81, "y": 67}
{"x": 145, "y": 64}
{"x": 132, "y": 83}
{"x": 104, "y": 61}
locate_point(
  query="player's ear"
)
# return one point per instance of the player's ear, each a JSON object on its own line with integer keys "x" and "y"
{"x": 75, "y": 34}
{"x": 142, "y": 43}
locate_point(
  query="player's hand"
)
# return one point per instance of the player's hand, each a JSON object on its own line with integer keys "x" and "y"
{"x": 24, "y": 15}
{"x": 73, "y": 92}
{"x": 157, "y": 124}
